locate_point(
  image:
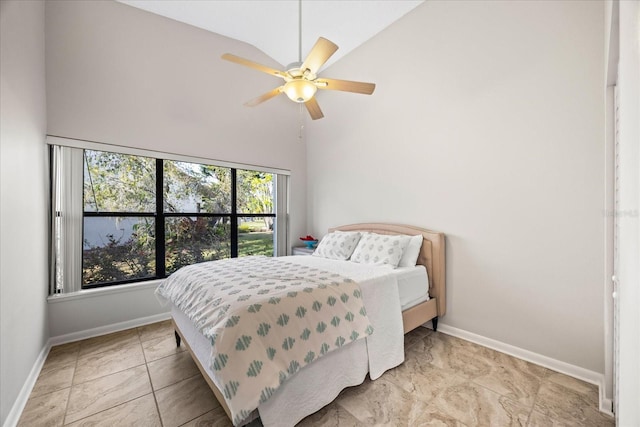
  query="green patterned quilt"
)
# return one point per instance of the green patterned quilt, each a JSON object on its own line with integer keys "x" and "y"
{"x": 266, "y": 318}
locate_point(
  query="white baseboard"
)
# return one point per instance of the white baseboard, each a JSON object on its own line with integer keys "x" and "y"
{"x": 18, "y": 406}
{"x": 583, "y": 374}
{"x": 21, "y": 401}
{"x": 108, "y": 329}
{"x": 606, "y": 404}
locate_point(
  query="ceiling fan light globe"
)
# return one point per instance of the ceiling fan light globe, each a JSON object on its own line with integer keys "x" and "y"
{"x": 300, "y": 90}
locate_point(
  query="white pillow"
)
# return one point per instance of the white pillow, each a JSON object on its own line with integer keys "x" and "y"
{"x": 411, "y": 252}
{"x": 337, "y": 245}
{"x": 380, "y": 249}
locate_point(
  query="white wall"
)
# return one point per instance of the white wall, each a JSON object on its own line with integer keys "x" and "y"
{"x": 487, "y": 124}
{"x": 120, "y": 75}
{"x": 101, "y": 311}
{"x": 628, "y": 217}
{"x": 23, "y": 198}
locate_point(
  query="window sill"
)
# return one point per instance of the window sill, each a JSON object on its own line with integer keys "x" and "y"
{"x": 93, "y": 293}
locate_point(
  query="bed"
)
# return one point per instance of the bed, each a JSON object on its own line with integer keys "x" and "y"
{"x": 393, "y": 308}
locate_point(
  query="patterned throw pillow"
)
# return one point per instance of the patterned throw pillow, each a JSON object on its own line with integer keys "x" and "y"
{"x": 379, "y": 249}
{"x": 337, "y": 245}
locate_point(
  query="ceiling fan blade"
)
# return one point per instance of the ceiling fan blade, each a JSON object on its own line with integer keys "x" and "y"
{"x": 254, "y": 65}
{"x": 320, "y": 53}
{"x": 262, "y": 98}
{"x": 345, "y": 86}
{"x": 314, "y": 109}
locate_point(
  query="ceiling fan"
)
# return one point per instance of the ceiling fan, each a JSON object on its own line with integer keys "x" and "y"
{"x": 301, "y": 80}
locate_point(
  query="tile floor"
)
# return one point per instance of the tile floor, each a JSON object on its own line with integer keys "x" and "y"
{"x": 138, "y": 377}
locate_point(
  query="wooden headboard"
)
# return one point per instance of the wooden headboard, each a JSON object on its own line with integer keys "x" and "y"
{"x": 432, "y": 254}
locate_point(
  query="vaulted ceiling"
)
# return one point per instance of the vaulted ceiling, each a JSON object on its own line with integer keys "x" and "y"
{"x": 272, "y": 25}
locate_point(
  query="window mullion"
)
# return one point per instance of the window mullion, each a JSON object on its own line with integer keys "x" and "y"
{"x": 160, "y": 226}
{"x": 234, "y": 214}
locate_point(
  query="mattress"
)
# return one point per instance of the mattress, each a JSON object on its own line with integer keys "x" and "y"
{"x": 413, "y": 282}
{"x": 413, "y": 285}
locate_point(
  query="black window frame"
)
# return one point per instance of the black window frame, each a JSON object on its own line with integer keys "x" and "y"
{"x": 160, "y": 216}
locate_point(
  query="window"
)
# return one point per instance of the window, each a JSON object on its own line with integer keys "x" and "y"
{"x": 119, "y": 218}
{"x": 144, "y": 217}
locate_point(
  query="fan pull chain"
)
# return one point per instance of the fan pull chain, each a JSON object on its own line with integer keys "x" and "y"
{"x": 301, "y": 121}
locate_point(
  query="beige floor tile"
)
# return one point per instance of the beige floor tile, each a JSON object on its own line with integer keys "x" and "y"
{"x": 574, "y": 384}
{"x": 156, "y": 330}
{"x": 45, "y": 410}
{"x": 54, "y": 379}
{"x": 332, "y": 415}
{"x": 416, "y": 335}
{"x": 106, "y": 392}
{"x": 140, "y": 412}
{"x": 421, "y": 378}
{"x": 444, "y": 381}
{"x": 513, "y": 378}
{"x": 454, "y": 354}
{"x": 382, "y": 403}
{"x": 99, "y": 364}
{"x": 215, "y": 418}
{"x": 432, "y": 418}
{"x": 172, "y": 369}
{"x": 61, "y": 355}
{"x": 108, "y": 342}
{"x": 569, "y": 406}
{"x": 538, "y": 419}
{"x": 438, "y": 340}
{"x": 474, "y": 405}
{"x": 161, "y": 347}
{"x": 184, "y": 401}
